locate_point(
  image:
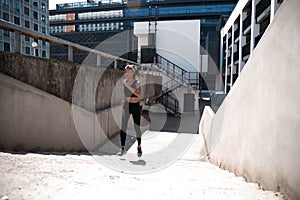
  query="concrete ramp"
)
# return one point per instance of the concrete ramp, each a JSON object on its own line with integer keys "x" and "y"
{"x": 34, "y": 120}
{"x": 258, "y": 124}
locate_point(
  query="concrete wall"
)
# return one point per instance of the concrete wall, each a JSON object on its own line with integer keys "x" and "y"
{"x": 33, "y": 120}
{"x": 185, "y": 52}
{"x": 258, "y": 124}
{"x": 36, "y": 120}
{"x": 179, "y": 42}
{"x": 58, "y": 78}
{"x": 88, "y": 87}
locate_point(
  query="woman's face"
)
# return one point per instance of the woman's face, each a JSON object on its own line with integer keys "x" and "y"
{"x": 129, "y": 73}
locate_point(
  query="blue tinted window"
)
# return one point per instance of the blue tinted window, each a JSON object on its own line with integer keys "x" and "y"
{"x": 196, "y": 9}
{"x": 188, "y": 10}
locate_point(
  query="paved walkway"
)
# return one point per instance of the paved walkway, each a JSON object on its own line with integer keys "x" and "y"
{"x": 79, "y": 176}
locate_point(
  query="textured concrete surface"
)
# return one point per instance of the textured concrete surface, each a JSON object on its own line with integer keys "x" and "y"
{"x": 33, "y": 120}
{"x": 81, "y": 176}
{"x": 257, "y": 126}
{"x": 89, "y": 87}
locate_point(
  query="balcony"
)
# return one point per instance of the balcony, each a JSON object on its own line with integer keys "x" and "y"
{"x": 257, "y": 38}
{"x": 229, "y": 38}
{"x": 236, "y": 56}
{"x": 246, "y": 50}
{"x": 236, "y": 34}
{"x": 246, "y": 23}
{"x": 261, "y": 7}
{"x": 229, "y": 60}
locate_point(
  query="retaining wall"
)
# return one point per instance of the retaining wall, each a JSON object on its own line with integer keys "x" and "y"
{"x": 257, "y": 127}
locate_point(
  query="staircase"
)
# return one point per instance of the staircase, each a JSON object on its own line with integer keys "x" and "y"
{"x": 179, "y": 77}
{"x": 170, "y": 102}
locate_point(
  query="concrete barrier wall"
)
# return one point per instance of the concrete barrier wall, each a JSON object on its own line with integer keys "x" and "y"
{"x": 258, "y": 124}
{"x": 33, "y": 120}
{"x": 204, "y": 131}
{"x": 58, "y": 78}
{"x": 89, "y": 87}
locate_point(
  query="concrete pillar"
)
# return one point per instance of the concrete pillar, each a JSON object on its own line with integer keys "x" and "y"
{"x": 232, "y": 54}
{"x": 274, "y": 8}
{"x": 70, "y": 54}
{"x": 17, "y": 42}
{"x": 242, "y": 42}
{"x": 115, "y": 64}
{"x": 219, "y": 78}
{"x": 254, "y": 26}
{"x": 98, "y": 60}
{"x": 226, "y": 64}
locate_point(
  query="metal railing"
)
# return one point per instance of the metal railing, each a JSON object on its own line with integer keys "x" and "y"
{"x": 179, "y": 77}
{"x": 193, "y": 79}
{"x": 177, "y": 73}
{"x": 170, "y": 103}
{"x": 170, "y": 86}
{"x": 169, "y": 66}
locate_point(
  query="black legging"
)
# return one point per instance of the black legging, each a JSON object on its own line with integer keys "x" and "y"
{"x": 135, "y": 110}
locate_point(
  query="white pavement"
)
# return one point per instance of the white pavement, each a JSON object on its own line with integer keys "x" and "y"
{"x": 79, "y": 176}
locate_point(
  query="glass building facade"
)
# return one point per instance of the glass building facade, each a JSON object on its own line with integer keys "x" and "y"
{"x": 31, "y": 14}
{"x": 106, "y": 18}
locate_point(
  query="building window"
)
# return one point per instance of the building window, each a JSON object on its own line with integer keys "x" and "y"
{"x": 43, "y": 43}
{"x": 27, "y": 0}
{"x": 35, "y": 15}
{"x": 26, "y": 11}
{"x": 17, "y": 20}
{"x": 16, "y": 7}
{"x": 6, "y": 16}
{"x": 6, "y": 46}
{"x": 35, "y": 2}
{"x": 27, "y": 50}
{"x": 5, "y": 2}
{"x": 36, "y": 52}
{"x": 36, "y": 27}
{"x": 27, "y": 24}
{"x": 6, "y": 33}
{"x": 27, "y": 39}
{"x": 43, "y": 30}
{"x": 43, "y": 18}
{"x": 44, "y": 54}
{"x": 43, "y": 6}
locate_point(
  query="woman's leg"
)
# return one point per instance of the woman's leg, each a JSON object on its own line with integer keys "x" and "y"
{"x": 136, "y": 114}
{"x": 125, "y": 117}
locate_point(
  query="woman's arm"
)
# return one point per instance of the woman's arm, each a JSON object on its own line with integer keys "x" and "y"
{"x": 137, "y": 91}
